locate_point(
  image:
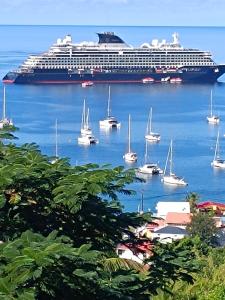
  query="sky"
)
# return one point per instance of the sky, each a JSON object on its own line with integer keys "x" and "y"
{"x": 113, "y": 12}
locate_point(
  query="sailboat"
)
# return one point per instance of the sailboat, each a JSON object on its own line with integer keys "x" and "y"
{"x": 171, "y": 178}
{"x": 56, "y": 143}
{"x": 212, "y": 119}
{"x": 5, "y": 121}
{"x": 217, "y": 161}
{"x": 110, "y": 121}
{"x": 86, "y": 137}
{"x": 130, "y": 156}
{"x": 150, "y": 135}
{"x": 149, "y": 168}
{"x": 85, "y": 128}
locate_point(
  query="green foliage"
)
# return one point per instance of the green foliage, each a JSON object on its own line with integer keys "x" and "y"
{"x": 38, "y": 195}
{"x": 203, "y": 226}
{"x": 209, "y": 283}
{"x": 173, "y": 262}
{"x": 81, "y": 204}
{"x": 193, "y": 199}
{"x": 6, "y": 132}
{"x": 37, "y": 267}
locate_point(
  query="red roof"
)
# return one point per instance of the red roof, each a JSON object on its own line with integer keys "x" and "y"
{"x": 211, "y": 204}
{"x": 178, "y": 218}
{"x": 141, "y": 246}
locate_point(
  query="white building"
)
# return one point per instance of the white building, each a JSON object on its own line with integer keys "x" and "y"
{"x": 163, "y": 208}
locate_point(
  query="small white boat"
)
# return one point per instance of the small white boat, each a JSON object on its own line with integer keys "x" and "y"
{"x": 176, "y": 80}
{"x": 87, "y": 83}
{"x": 130, "y": 156}
{"x": 5, "y": 121}
{"x": 110, "y": 121}
{"x": 217, "y": 161}
{"x": 212, "y": 118}
{"x": 171, "y": 178}
{"x": 87, "y": 140}
{"x": 150, "y": 135}
{"x": 149, "y": 168}
{"x": 148, "y": 80}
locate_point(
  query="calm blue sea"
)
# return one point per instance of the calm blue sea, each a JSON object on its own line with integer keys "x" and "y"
{"x": 179, "y": 111}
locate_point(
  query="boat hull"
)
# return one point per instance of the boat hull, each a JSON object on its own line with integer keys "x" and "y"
{"x": 43, "y": 76}
{"x": 173, "y": 181}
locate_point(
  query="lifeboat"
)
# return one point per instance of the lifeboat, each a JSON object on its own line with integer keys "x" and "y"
{"x": 176, "y": 80}
{"x": 87, "y": 83}
{"x": 148, "y": 80}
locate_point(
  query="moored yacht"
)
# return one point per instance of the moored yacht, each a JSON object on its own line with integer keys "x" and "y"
{"x": 150, "y": 135}
{"x": 130, "y": 156}
{"x": 85, "y": 127}
{"x": 170, "y": 177}
{"x": 217, "y": 161}
{"x": 110, "y": 121}
{"x": 147, "y": 167}
{"x": 212, "y": 118}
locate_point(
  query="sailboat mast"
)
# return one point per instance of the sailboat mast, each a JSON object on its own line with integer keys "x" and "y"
{"x": 171, "y": 156}
{"x": 4, "y": 106}
{"x": 83, "y": 116}
{"x": 146, "y": 152}
{"x": 147, "y": 128}
{"x": 87, "y": 120}
{"x": 108, "y": 108}
{"x": 211, "y": 113}
{"x": 167, "y": 159}
{"x": 56, "y": 138}
{"x": 217, "y": 155}
{"x": 129, "y": 150}
{"x": 150, "y": 124}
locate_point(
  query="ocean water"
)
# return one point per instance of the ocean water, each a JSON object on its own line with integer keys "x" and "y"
{"x": 179, "y": 111}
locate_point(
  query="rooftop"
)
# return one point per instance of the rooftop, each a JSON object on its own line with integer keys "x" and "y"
{"x": 178, "y": 218}
{"x": 171, "y": 230}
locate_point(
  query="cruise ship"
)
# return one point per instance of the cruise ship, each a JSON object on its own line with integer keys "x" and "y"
{"x": 111, "y": 60}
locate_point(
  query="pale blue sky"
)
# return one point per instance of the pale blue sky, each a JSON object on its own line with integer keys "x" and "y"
{"x": 114, "y": 12}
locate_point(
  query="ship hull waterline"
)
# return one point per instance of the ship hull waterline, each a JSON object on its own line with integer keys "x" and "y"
{"x": 206, "y": 75}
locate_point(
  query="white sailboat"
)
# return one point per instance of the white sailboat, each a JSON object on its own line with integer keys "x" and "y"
{"x": 5, "y": 121}
{"x": 217, "y": 161}
{"x": 212, "y": 118}
{"x": 150, "y": 135}
{"x": 149, "y": 168}
{"x": 171, "y": 178}
{"x": 56, "y": 143}
{"x": 86, "y": 137}
{"x": 85, "y": 128}
{"x": 130, "y": 156}
{"x": 110, "y": 121}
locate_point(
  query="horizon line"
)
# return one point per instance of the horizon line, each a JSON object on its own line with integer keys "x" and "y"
{"x": 102, "y": 25}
